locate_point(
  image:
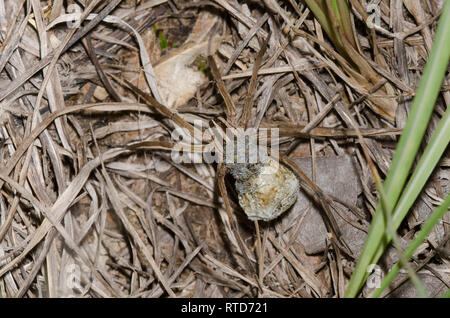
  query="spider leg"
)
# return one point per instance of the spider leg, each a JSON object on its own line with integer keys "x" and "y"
{"x": 230, "y": 108}
{"x": 223, "y": 189}
{"x": 246, "y": 112}
{"x": 160, "y": 108}
{"x": 221, "y": 172}
{"x": 322, "y": 199}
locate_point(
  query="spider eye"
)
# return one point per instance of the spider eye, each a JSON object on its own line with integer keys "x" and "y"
{"x": 211, "y": 123}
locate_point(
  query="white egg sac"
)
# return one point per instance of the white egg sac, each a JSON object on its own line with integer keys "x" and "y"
{"x": 265, "y": 190}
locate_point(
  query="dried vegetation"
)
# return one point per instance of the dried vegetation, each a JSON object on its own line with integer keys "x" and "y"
{"x": 91, "y": 203}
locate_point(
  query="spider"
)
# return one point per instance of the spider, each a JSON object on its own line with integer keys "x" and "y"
{"x": 263, "y": 196}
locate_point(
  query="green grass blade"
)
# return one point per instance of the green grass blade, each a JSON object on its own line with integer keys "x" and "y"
{"x": 407, "y": 148}
{"x": 447, "y": 294}
{"x": 419, "y": 239}
{"x": 320, "y": 13}
{"x": 346, "y": 22}
{"x": 336, "y": 10}
{"x": 430, "y": 158}
{"x": 433, "y": 152}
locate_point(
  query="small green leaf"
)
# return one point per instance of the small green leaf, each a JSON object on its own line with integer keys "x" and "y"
{"x": 163, "y": 43}
{"x": 201, "y": 63}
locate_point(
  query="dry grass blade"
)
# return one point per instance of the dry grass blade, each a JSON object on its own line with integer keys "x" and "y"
{"x": 306, "y": 274}
{"x": 99, "y": 172}
{"x": 59, "y": 208}
{"x": 113, "y": 196}
{"x": 187, "y": 260}
{"x": 88, "y": 44}
{"x": 150, "y": 101}
{"x": 27, "y": 141}
{"x": 244, "y": 42}
{"x": 230, "y": 108}
{"x": 248, "y": 21}
{"x": 46, "y": 225}
{"x": 71, "y": 40}
{"x": 245, "y": 116}
{"x": 12, "y": 38}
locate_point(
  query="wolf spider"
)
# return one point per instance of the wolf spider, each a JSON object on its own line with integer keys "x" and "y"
{"x": 234, "y": 120}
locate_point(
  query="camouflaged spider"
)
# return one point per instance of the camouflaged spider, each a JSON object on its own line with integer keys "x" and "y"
{"x": 262, "y": 196}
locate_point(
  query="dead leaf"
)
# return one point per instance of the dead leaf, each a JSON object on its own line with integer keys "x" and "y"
{"x": 177, "y": 73}
{"x": 336, "y": 176}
